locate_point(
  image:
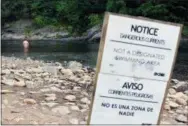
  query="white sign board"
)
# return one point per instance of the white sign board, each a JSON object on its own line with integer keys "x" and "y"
{"x": 135, "y": 62}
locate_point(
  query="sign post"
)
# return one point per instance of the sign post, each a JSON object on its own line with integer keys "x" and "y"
{"x": 135, "y": 62}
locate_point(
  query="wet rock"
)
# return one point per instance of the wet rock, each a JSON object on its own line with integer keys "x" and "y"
{"x": 173, "y": 104}
{"x": 29, "y": 101}
{"x": 73, "y": 65}
{"x": 73, "y": 121}
{"x": 182, "y": 118}
{"x": 63, "y": 110}
{"x": 67, "y": 72}
{"x": 85, "y": 100}
{"x": 70, "y": 97}
{"x": 75, "y": 108}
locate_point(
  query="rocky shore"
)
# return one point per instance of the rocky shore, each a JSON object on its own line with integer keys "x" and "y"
{"x": 35, "y": 92}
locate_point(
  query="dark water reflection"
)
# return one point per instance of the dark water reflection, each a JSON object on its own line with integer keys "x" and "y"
{"x": 75, "y": 51}
{"x": 53, "y": 51}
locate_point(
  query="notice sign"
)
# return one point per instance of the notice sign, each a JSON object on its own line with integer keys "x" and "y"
{"x": 134, "y": 66}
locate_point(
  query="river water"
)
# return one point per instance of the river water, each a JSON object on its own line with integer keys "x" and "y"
{"x": 57, "y": 51}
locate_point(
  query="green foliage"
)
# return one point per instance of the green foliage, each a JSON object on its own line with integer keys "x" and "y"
{"x": 79, "y": 15}
{"x": 95, "y": 19}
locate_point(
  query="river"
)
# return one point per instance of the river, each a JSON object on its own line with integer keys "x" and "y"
{"x": 75, "y": 51}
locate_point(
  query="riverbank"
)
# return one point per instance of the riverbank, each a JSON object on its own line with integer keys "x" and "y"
{"x": 18, "y": 30}
{"x": 36, "y": 92}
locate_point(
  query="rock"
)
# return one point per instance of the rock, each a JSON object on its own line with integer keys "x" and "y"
{"x": 73, "y": 121}
{"x": 50, "y": 95}
{"x": 73, "y": 65}
{"x": 70, "y": 103}
{"x": 56, "y": 89}
{"x": 181, "y": 95}
{"x": 49, "y": 104}
{"x": 45, "y": 90}
{"x": 5, "y": 72}
{"x": 182, "y": 118}
{"x": 83, "y": 122}
{"x": 171, "y": 91}
{"x": 20, "y": 83}
{"x": 95, "y": 37}
{"x": 174, "y": 81}
{"x": 166, "y": 107}
{"x": 8, "y": 82}
{"x": 75, "y": 108}
{"x": 86, "y": 118}
{"x": 67, "y": 72}
{"x": 30, "y": 84}
{"x": 70, "y": 97}
{"x": 186, "y": 92}
{"x": 50, "y": 98}
{"x": 22, "y": 93}
{"x": 173, "y": 104}
{"x": 181, "y": 101}
{"x": 85, "y": 100}
{"x": 34, "y": 70}
{"x": 63, "y": 110}
{"x": 77, "y": 88}
{"x": 179, "y": 111}
{"x": 181, "y": 86}
{"x": 6, "y": 91}
{"x": 29, "y": 101}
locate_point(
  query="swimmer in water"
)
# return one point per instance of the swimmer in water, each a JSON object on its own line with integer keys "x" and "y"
{"x": 26, "y": 46}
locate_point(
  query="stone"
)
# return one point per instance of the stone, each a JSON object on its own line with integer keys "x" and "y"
{"x": 67, "y": 72}
{"x": 86, "y": 118}
{"x": 22, "y": 93}
{"x": 181, "y": 101}
{"x": 166, "y": 107}
{"x": 186, "y": 92}
{"x": 181, "y": 95}
{"x": 70, "y": 103}
{"x": 70, "y": 97}
{"x": 5, "y": 72}
{"x": 83, "y": 122}
{"x": 73, "y": 121}
{"x": 173, "y": 104}
{"x": 8, "y": 82}
{"x": 20, "y": 83}
{"x": 30, "y": 84}
{"x": 50, "y": 98}
{"x": 55, "y": 89}
{"x": 179, "y": 111}
{"x": 6, "y": 91}
{"x": 85, "y": 100}
{"x": 75, "y": 108}
{"x": 175, "y": 81}
{"x": 36, "y": 70}
{"x": 50, "y": 95}
{"x": 182, "y": 118}
{"x": 73, "y": 65}
{"x": 5, "y": 102}
{"x": 63, "y": 110}
{"x": 172, "y": 91}
{"x": 77, "y": 88}
{"x": 45, "y": 90}
{"x": 29, "y": 101}
{"x": 49, "y": 104}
